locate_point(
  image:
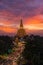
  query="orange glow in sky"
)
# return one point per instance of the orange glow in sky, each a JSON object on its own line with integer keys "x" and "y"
{"x": 30, "y": 11}
{"x": 34, "y": 23}
{"x": 8, "y": 29}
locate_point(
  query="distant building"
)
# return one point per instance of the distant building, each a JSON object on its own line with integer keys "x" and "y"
{"x": 21, "y": 31}
{"x": 19, "y": 36}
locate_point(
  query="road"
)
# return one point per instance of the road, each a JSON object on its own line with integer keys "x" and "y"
{"x": 14, "y": 56}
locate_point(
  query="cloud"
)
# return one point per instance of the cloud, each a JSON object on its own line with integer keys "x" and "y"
{"x": 11, "y": 11}
{"x": 18, "y": 7}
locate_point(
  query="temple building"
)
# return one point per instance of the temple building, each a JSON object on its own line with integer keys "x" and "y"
{"x": 19, "y": 38}
{"x": 21, "y": 31}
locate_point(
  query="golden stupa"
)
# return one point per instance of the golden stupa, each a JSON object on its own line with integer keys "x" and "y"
{"x": 21, "y": 31}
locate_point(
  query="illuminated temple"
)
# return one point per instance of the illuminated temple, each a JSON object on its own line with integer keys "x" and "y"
{"x": 21, "y": 31}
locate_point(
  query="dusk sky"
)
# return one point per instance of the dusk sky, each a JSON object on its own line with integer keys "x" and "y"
{"x": 30, "y": 11}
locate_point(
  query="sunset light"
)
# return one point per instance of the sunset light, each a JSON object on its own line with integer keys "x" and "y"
{"x": 21, "y": 32}
{"x": 10, "y": 16}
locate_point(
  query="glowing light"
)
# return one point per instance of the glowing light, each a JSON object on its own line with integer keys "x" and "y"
{"x": 8, "y": 25}
{"x": 34, "y": 27}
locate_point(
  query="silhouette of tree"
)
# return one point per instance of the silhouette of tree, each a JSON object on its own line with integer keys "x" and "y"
{"x": 5, "y": 44}
{"x": 33, "y": 49}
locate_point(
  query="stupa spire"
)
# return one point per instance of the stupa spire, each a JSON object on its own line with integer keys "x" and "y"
{"x": 21, "y": 31}
{"x": 21, "y": 24}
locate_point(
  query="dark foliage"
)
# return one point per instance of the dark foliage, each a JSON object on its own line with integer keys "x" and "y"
{"x": 5, "y": 44}
{"x": 33, "y": 51}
